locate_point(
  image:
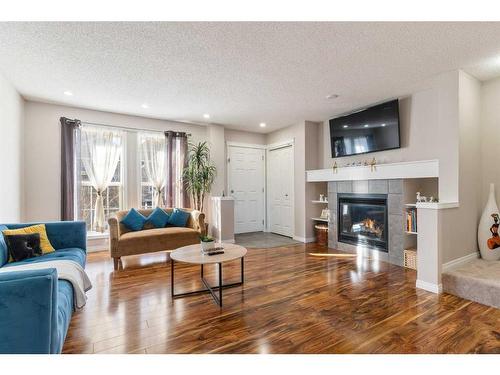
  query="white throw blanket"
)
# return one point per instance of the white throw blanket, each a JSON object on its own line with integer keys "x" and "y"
{"x": 66, "y": 270}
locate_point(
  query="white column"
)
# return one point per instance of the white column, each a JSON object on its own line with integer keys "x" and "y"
{"x": 222, "y": 219}
{"x": 428, "y": 250}
{"x": 433, "y": 225}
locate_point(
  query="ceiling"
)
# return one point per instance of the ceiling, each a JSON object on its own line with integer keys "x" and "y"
{"x": 241, "y": 74}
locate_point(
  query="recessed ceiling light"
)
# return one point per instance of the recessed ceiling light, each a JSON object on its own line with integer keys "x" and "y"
{"x": 332, "y": 96}
{"x": 206, "y": 115}
{"x": 68, "y": 93}
{"x": 345, "y": 126}
{"x": 366, "y": 125}
{"x": 145, "y": 105}
{"x": 262, "y": 124}
{"x": 382, "y": 125}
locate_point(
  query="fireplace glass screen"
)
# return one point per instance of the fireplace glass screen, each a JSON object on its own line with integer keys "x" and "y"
{"x": 362, "y": 220}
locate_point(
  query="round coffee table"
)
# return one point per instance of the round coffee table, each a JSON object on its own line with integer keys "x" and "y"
{"x": 192, "y": 254}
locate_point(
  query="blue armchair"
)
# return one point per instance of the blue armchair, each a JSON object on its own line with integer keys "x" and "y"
{"x": 36, "y": 307}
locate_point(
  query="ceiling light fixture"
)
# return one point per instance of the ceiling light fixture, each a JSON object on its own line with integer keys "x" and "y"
{"x": 206, "y": 115}
{"x": 345, "y": 126}
{"x": 262, "y": 124}
{"x": 68, "y": 93}
{"x": 366, "y": 125}
{"x": 332, "y": 96}
{"x": 382, "y": 125}
{"x": 145, "y": 105}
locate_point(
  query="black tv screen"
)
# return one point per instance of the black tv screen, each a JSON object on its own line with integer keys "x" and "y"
{"x": 372, "y": 129}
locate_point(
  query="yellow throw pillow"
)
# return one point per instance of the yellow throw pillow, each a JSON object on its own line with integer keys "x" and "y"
{"x": 40, "y": 229}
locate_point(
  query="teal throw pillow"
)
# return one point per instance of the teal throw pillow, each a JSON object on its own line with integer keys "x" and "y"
{"x": 158, "y": 218}
{"x": 134, "y": 220}
{"x": 178, "y": 218}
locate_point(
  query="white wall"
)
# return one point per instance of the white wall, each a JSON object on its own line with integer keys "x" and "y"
{"x": 43, "y": 143}
{"x": 490, "y": 138}
{"x": 11, "y": 157}
{"x": 442, "y": 120}
{"x": 42, "y": 150}
{"x": 429, "y": 130}
{"x": 305, "y": 136}
{"x": 244, "y": 137}
{"x": 459, "y": 225}
{"x": 215, "y": 136}
{"x": 297, "y": 134}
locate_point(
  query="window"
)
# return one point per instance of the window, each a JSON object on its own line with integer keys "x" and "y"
{"x": 142, "y": 158}
{"x": 113, "y": 196}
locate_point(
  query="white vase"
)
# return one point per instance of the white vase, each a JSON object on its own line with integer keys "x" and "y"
{"x": 484, "y": 230}
{"x": 207, "y": 246}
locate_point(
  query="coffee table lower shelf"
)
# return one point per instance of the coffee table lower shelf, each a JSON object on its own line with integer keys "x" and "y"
{"x": 210, "y": 289}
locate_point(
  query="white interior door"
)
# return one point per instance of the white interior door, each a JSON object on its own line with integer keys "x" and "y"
{"x": 246, "y": 176}
{"x": 280, "y": 186}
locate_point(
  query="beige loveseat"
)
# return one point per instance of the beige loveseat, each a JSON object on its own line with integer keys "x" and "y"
{"x": 124, "y": 242}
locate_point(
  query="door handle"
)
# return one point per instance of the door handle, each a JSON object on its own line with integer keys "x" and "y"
{"x": 286, "y": 195}
{"x": 232, "y": 191}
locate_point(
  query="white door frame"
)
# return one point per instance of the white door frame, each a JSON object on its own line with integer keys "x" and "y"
{"x": 275, "y": 146}
{"x": 260, "y": 147}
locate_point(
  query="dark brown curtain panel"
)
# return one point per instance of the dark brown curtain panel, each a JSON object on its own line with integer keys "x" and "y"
{"x": 176, "y": 159}
{"x": 69, "y": 147}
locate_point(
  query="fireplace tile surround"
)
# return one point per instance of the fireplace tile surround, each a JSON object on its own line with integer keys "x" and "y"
{"x": 395, "y": 204}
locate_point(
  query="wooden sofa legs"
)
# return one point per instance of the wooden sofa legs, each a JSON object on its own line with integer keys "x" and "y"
{"x": 116, "y": 263}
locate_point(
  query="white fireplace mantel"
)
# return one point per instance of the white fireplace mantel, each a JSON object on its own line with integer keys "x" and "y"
{"x": 410, "y": 169}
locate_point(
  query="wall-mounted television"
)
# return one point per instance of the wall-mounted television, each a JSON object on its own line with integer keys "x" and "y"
{"x": 369, "y": 130}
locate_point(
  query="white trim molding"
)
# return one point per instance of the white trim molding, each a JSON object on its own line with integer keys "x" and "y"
{"x": 304, "y": 239}
{"x": 245, "y": 145}
{"x": 434, "y": 288}
{"x": 274, "y": 146}
{"x": 459, "y": 261}
{"x": 412, "y": 169}
{"x": 437, "y": 205}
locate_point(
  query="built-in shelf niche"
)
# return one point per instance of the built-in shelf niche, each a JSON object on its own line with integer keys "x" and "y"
{"x": 427, "y": 187}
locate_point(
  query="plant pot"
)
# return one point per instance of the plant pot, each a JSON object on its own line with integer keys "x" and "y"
{"x": 489, "y": 244}
{"x": 206, "y": 246}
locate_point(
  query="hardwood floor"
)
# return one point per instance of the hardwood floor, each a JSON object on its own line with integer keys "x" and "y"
{"x": 291, "y": 302}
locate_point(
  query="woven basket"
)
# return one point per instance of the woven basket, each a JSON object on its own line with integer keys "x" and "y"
{"x": 410, "y": 258}
{"x": 321, "y": 234}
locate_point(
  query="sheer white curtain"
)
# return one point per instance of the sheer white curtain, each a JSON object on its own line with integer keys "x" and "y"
{"x": 100, "y": 153}
{"x": 153, "y": 153}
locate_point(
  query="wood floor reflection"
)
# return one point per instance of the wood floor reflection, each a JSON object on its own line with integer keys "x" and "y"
{"x": 291, "y": 302}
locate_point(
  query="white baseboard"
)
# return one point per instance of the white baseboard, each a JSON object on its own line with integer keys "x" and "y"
{"x": 434, "y": 288}
{"x": 459, "y": 261}
{"x": 304, "y": 239}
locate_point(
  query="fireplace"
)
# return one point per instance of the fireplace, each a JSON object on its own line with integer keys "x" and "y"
{"x": 362, "y": 220}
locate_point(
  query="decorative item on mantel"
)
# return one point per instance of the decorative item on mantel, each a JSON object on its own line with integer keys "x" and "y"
{"x": 335, "y": 167}
{"x": 325, "y": 214}
{"x": 487, "y": 232}
{"x": 421, "y": 198}
{"x": 373, "y": 165}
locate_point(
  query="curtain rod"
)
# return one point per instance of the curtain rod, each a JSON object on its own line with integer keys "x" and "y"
{"x": 126, "y": 128}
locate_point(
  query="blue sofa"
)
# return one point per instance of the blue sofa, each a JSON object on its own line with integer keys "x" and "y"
{"x": 36, "y": 307}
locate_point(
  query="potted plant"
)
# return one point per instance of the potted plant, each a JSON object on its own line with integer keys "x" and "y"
{"x": 199, "y": 175}
{"x": 207, "y": 244}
